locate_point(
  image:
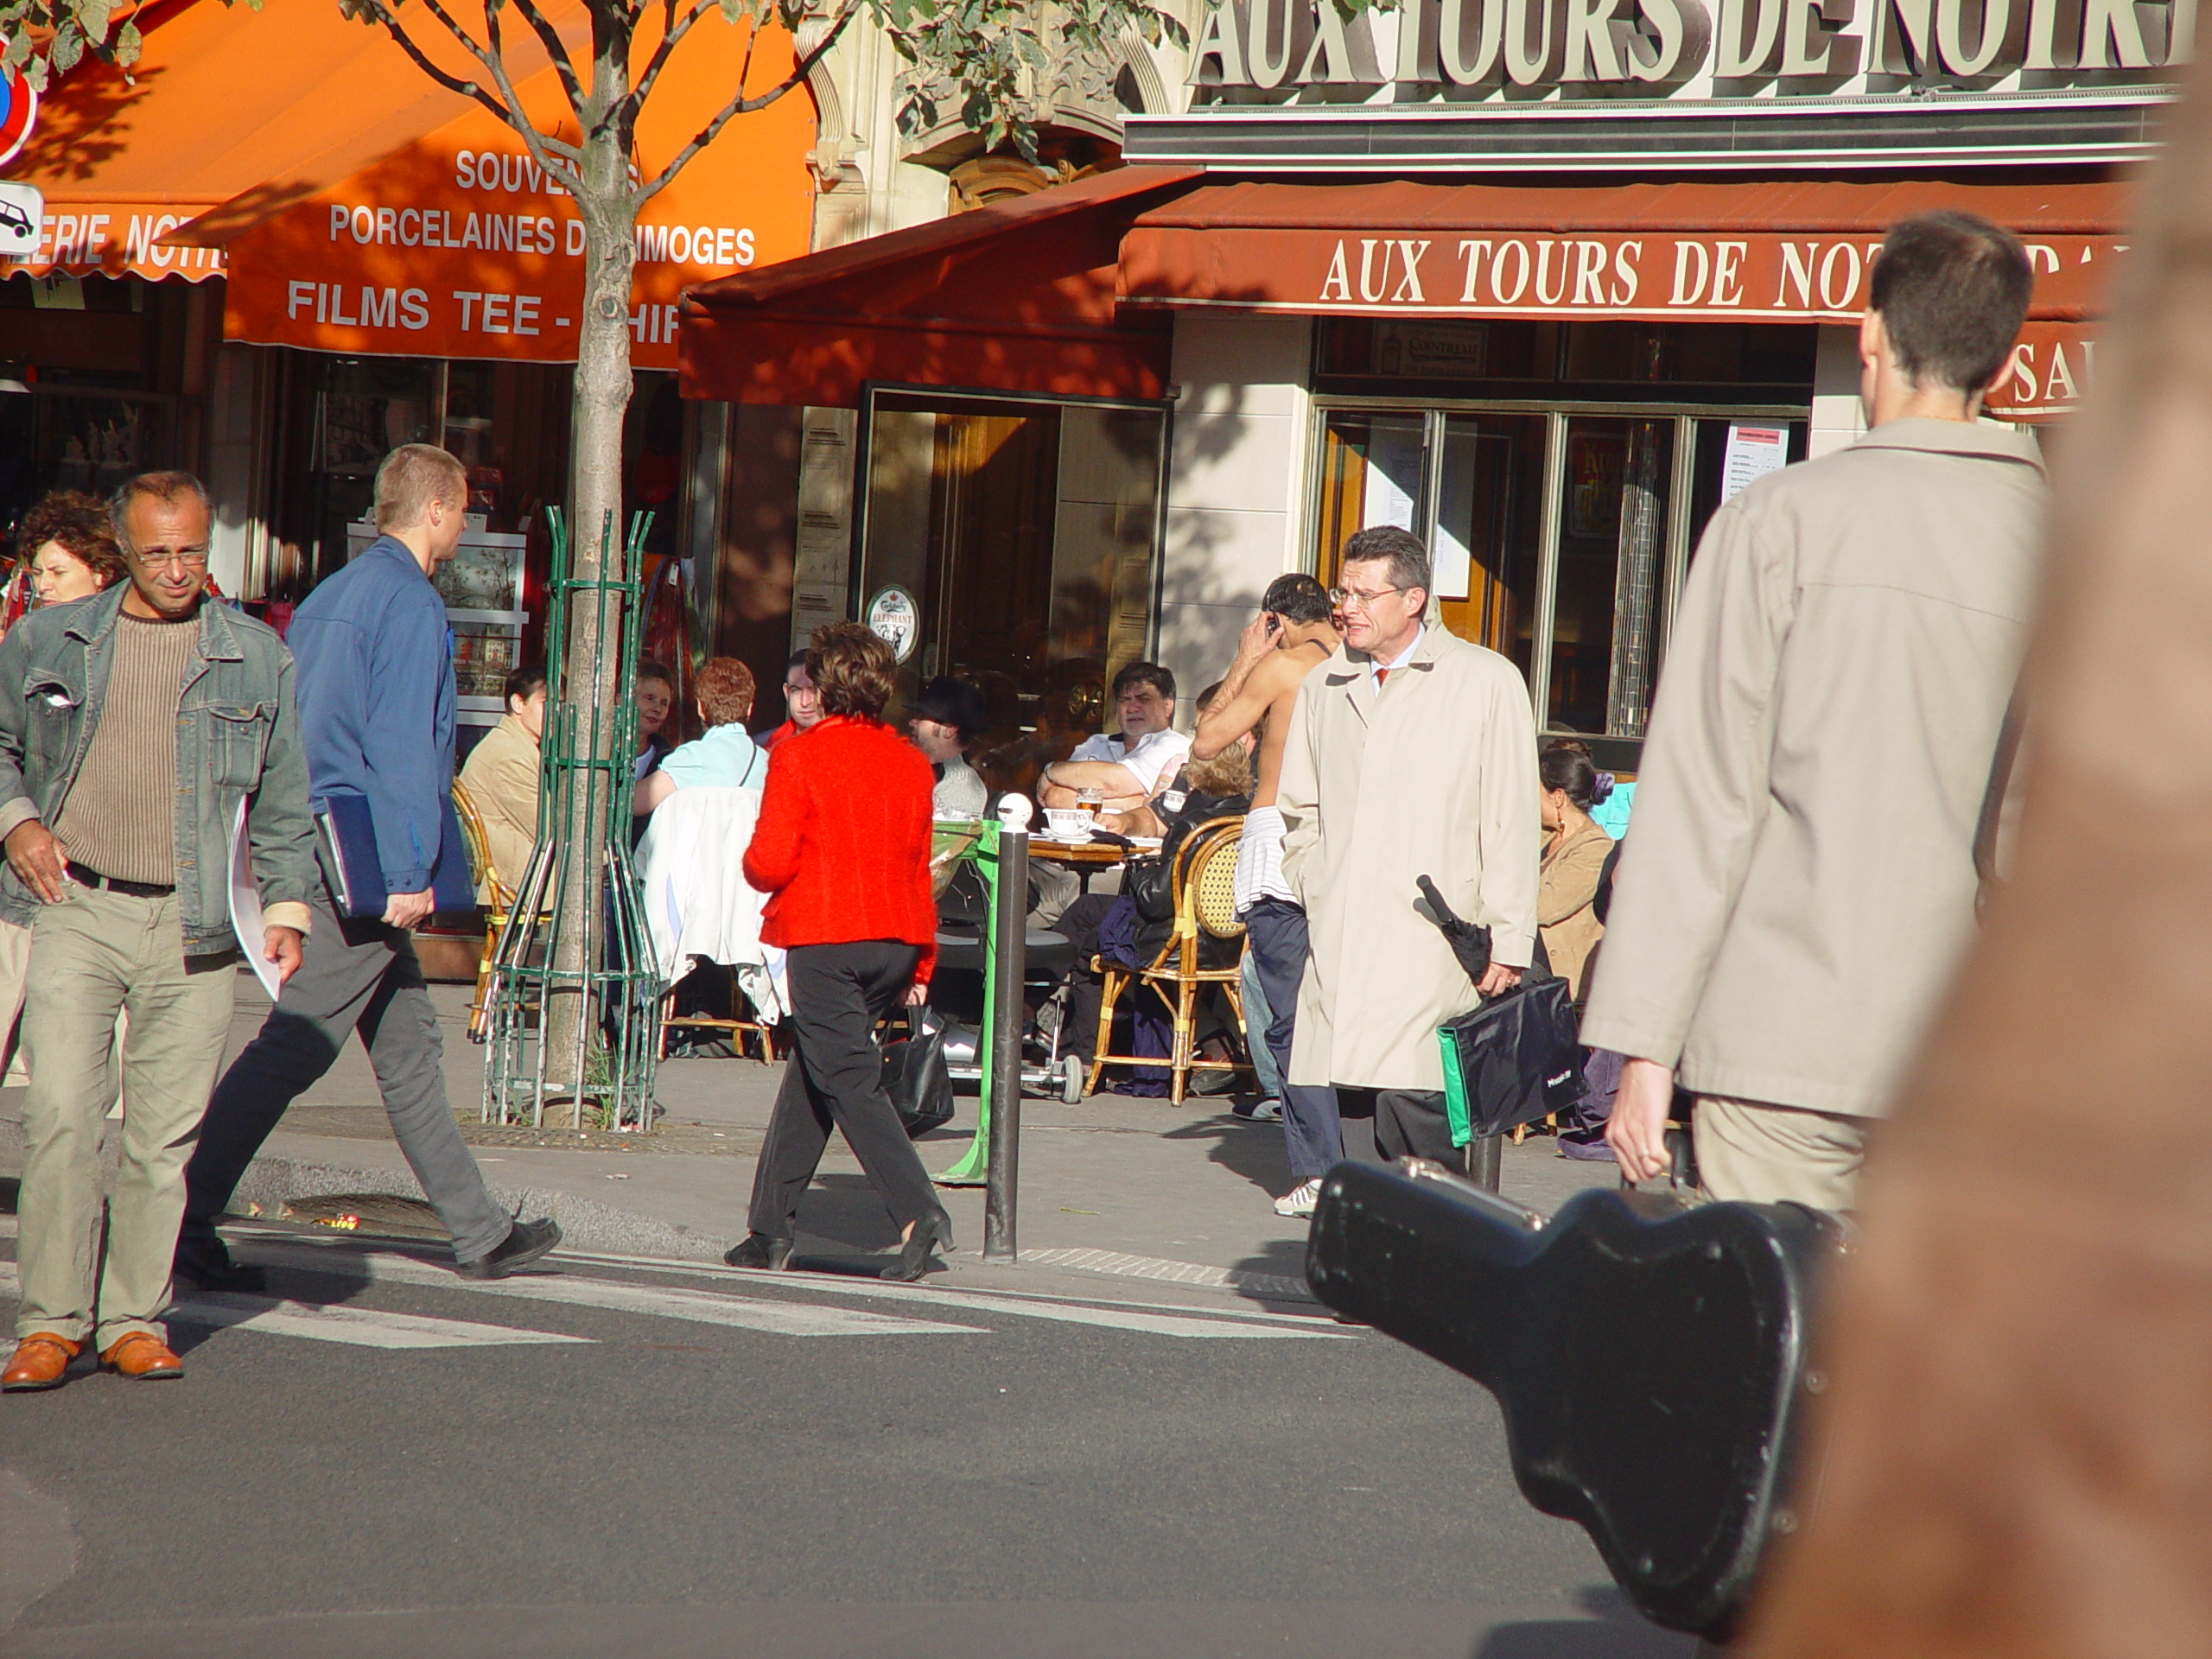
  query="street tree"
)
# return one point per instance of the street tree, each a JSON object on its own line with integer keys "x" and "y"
{"x": 989, "y": 58}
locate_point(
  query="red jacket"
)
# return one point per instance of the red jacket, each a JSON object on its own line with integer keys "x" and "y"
{"x": 842, "y": 844}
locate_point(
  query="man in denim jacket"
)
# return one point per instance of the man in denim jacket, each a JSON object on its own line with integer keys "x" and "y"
{"x": 132, "y": 725}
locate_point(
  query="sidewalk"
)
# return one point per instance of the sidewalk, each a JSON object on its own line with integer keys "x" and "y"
{"x": 1118, "y": 1197}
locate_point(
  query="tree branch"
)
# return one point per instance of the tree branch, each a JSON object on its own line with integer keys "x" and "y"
{"x": 542, "y": 146}
{"x": 469, "y": 89}
{"x": 743, "y": 105}
{"x": 556, "y": 51}
{"x": 672, "y": 34}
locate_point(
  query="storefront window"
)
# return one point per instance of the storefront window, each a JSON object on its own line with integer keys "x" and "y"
{"x": 1011, "y": 543}
{"x": 1557, "y": 536}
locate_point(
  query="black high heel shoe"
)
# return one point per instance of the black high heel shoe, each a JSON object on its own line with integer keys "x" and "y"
{"x": 759, "y": 1250}
{"x": 932, "y": 1234}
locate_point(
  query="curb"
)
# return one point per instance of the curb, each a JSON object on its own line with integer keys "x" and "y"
{"x": 271, "y": 1183}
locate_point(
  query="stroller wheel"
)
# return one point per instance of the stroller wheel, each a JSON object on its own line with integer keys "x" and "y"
{"x": 1072, "y": 1071}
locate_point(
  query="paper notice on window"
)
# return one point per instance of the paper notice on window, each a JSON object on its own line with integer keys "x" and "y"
{"x": 1752, "y": 453}
{"x": 1394, "y": 460}
{"x": 245, "y": 907}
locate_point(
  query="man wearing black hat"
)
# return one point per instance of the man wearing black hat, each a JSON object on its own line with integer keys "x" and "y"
{"x": 944, "y": 717}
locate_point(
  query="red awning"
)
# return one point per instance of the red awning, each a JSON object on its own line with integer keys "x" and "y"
{"x": 1016, "y": 296}
{"x": 1772, "y": 250}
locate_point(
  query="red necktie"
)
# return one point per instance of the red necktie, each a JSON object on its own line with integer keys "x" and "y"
{"x": 1381, "y": 675}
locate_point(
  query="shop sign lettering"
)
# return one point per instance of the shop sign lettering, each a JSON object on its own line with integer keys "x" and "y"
{"x": 1737, "y": 46}
{"x": 2052, "y": 367}
{"x": 117, "y": 243}
{"x": 1761, "y": 275}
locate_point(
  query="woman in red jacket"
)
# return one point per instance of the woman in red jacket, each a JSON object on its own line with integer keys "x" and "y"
{"x": 842, "y": 848}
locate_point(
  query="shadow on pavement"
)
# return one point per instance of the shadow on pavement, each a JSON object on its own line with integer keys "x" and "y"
{"x": 1252, "y": 1150}
{"x": 1616, "y": 1631}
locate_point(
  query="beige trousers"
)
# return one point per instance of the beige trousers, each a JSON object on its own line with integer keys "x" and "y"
{"x": 94, "y": 956}
{"x": 1759, "y": 1154}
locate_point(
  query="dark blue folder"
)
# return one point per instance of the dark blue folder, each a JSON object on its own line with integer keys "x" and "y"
{"x": 349, "y": 832}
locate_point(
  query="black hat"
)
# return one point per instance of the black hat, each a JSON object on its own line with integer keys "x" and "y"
{"x": 952, "y": 703}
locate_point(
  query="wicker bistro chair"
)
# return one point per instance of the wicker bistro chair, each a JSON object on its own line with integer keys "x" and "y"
{"x": 1203, "y": 884}
{"x": 498, "y": 902}
{"x": 739, "y": 1026}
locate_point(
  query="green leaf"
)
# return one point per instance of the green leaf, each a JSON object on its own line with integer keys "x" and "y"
{"x": 93, "y": 17}
{"x": 128, "y": 43}
{"x": 68, "y": 47}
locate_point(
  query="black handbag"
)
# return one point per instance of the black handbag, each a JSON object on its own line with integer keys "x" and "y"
{"x": 1512, "y": 1060}
{"x": 915, "y": 1077}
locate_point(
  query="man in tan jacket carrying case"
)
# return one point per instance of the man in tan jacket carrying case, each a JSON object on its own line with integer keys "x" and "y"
{"x": 1799, "y": 884}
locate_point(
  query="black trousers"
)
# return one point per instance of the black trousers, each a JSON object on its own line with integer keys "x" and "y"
{"x": 1411, "y": 1123}
{"x": 838, "y": 992}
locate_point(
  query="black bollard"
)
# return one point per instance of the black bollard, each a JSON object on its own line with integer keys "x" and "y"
{"x": 1012, "y": 922}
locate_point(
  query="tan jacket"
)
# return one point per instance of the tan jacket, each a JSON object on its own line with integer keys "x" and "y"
{"x": 1435, "y": 776}
{"x": 1798, "y": 882}
{"x": 1566, "y": 891}
{"x": 501, "y": 773}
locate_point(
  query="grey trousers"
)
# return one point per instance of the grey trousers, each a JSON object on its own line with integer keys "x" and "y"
{"x": 93, "y": 955}
{"x": 358, "y": 976}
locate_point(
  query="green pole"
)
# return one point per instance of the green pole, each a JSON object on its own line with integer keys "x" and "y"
{"x": 973, "y": 1166}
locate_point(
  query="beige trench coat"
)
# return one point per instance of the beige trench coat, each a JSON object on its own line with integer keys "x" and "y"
{"x": 1435, "y": 776}
{"x": 1798, "y": 882}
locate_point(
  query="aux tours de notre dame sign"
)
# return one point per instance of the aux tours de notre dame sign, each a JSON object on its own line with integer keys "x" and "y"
{"x": 1257, "y": 50}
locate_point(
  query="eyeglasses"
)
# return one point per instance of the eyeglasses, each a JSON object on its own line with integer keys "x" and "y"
{"x": 160, "y": 558}
{"x": 1351, "y": 598}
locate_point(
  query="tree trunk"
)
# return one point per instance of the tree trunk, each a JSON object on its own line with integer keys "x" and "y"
{"x": 594, "y": 688}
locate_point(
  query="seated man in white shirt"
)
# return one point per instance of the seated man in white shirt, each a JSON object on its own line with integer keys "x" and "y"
{"x": 1123, "y": 768}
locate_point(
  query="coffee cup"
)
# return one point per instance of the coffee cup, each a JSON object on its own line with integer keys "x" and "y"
{"x": 1067, "y": 824}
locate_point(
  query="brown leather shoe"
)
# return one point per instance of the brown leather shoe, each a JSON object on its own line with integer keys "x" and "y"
{"x": 41, "y": 1360}
{"x": 142, "y": 1356}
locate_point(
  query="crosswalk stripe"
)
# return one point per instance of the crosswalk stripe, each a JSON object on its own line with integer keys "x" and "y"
{"x": 697, "y": 1307}
{"x": 1201, "y": 1325}
{"x": 363, "y": 1327}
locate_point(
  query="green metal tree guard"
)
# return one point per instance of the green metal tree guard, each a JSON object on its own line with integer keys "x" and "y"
{"x": 585, "y": 778}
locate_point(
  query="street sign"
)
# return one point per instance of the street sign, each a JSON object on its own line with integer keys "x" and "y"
{"x": 18, "y": 114}
{"x": 21, "y": 207}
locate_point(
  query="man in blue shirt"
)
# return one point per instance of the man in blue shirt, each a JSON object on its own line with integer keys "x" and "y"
{"x": 375, "y": 694}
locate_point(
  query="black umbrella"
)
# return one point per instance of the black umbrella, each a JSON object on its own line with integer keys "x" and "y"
{"x": 1470, "y": 942}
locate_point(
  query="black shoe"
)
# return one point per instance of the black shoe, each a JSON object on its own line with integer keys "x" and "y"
{"x": 759, "y": 1250}
{"x": 525, "y": 1242}
{"x": 932, "y": 1233}
{"x": 204, "y": 1265}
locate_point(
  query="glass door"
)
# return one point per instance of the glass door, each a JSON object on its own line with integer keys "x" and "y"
{"x": 1558, "y": 538}
{"x": 1607, "y": 572}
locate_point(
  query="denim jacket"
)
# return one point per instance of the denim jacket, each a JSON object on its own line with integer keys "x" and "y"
{"x": 237, "y": 737}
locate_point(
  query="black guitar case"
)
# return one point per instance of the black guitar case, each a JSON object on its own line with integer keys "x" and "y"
{"x": 1649, "y": 1359}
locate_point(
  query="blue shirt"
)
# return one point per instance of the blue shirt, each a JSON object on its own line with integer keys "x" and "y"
{"x": 724, "y": 758}
{"x": 375, "y": 694}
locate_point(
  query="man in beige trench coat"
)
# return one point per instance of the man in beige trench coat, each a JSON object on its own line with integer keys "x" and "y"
{"x": 1798, "y": 883}
{"x": 1411, "y": 752}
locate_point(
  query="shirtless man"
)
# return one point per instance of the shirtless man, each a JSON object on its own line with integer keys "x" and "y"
{"x": 1293, "y": 634}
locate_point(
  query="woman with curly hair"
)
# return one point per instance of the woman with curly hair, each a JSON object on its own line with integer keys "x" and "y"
{"x": 69, "y": 548}
{"x": 842, "y": 849}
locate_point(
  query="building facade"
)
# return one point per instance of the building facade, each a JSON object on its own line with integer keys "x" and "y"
{"x": 1544, "y": 281}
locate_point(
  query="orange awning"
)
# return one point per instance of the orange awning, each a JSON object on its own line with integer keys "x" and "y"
{"x": 455, "y": 245}
{"x": 1015, "y": 296}
{"x": 1773, "y": 250}
{"x": 225, "y": 99}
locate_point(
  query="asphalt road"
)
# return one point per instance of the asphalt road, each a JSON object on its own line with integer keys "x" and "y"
{"x": 378, "y": 1457}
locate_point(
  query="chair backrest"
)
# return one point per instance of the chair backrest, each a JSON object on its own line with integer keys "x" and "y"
{"x": 479, "y": 847}
{"x": 1205, "y": 878}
